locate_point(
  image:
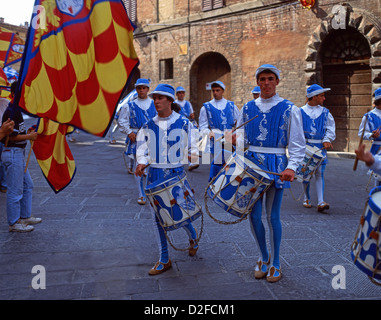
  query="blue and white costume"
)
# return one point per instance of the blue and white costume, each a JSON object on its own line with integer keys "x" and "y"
{"x": 373, "y": 123}
{"x": 319, "y": 127}
{"x": 133, "y": 115}
{"x": 163, "y": 143}
{"x": 186, "y": 106}
{"x": 217, "y": 116}
{"x": 278, "y": 125}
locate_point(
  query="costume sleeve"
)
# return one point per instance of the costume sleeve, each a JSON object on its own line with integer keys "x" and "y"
{"x": 376, "y": 166}
{"x": 296, "y": 139}
{"x": 142, "y": 150}
{"x": 203, "y": 122}
{"x": 124, "y": 119}
{"x": 193, "y": 139}
{"x": 367, "y": 133}
{"x": 330, "y": 133}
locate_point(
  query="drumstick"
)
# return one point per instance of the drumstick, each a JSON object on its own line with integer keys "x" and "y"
{"x": 362, "y": 136}
{"x": 240, "y": 126}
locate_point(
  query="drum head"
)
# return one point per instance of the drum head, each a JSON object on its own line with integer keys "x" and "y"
{"x": 313, "y": 151}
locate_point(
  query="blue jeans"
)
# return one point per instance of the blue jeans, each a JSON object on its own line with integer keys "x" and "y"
{"x": 3, "y": 183}
{"x": 20, "y": 185}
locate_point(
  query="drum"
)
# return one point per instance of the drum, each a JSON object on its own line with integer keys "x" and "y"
{"x": 238, "y": 185}
{"x": 173, "y": 201}
{"x": 311, "y": 162}
{"x": 365, "y": 250}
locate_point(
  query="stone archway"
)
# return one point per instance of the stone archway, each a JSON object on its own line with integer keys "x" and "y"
{"x": 208, "y": 67}
{"x": 361, "y": 24}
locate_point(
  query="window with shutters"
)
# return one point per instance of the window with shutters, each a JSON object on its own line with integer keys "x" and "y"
{"x": 212, "y": 4}
{"x": 131, "y": 9}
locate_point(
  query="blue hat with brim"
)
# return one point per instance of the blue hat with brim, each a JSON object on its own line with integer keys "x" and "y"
{"x": 315, "y": 89}
{"x": 219, "y": 83}
{"x": 267, "y": 67}
{"x": 257, "y": 89}
{"x": 164, "y": 90}
{"x": 142, "y": 82}
{"x": 377, "y": 94}
{"x": 180, "y": 89}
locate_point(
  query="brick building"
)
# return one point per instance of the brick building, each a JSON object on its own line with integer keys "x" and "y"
{"x": 336, "y": 44}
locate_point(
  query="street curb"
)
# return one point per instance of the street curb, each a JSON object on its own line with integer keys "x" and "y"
{"x": 338, "y": 154}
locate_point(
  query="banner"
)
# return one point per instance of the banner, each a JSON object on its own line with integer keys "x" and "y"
{"x": 78, "y": 60}
{"x": 11, "y": 47}
{"x": 53, "y": 153}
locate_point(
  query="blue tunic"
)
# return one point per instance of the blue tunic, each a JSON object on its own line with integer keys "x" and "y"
{"x": 138, "y": 117}
{"x": 374, "y": 122}
{"x": 315, "y": 129}
{"x": 269, "y": 129}
{"x": 220, "y": 119}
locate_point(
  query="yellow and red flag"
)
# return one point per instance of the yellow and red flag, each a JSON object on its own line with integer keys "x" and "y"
{"x": 11, "y": 47}
{"x": 5, "y": 86}
{"x": 53, "y": 153}
{"x": 79, "y": 58}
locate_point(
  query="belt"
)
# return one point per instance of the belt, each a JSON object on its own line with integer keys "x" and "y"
{"x": 166, "y": 165}
{"x": 267, "y": 150}
{"x": 315, "y": 141}
{"x": 378, "y": 143}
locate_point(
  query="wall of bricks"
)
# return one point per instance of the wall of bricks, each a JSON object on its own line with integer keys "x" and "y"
{"x": 247, "y": 34}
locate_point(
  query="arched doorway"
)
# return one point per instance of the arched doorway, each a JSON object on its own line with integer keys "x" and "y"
{"x": 345, "y": 56}
{"x": 208, "y": 67}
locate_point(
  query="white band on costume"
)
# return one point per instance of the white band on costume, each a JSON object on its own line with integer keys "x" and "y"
{"x": 166, "y": 165}
{"x": 267, "y": 150}
{"x": 377, "y": 143}
{"x": 314, "y": 141}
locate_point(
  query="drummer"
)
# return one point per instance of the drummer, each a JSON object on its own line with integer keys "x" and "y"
{"x": 278, "y": 125}
{"x": 164, "y": 132}
{"x": 216, "y": 116}
{"x": 256, "y": 92}
{"x": 319, "y": 131}
{"x": 373, "y": 127}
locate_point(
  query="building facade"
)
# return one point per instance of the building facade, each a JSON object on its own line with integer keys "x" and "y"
{"x": 335, "y": 44}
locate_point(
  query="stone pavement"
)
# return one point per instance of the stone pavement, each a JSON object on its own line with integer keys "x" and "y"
{"x": 96, "y": 242}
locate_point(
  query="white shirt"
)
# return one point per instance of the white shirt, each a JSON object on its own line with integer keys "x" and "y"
{"x": 367, "y": 132}
{"x": 296, "y": 139}
{"x": 314, "y": 112}
{"x": 218, "y": 104}
{"x": 124, "y": 114}
{"x": 143, "y": 152}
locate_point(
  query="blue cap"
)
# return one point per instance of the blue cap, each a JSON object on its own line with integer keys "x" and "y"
{"x": 377, "y": 94}
{"x": 180, "y": 89}
{"x": 142, "y": 82}
{"x": 220, "y": 83}
{"x": 165, "y": 90}
{"x": 267, "y": 67}
{"x": 257, "y": 89}
{"x": 315, "y": 89}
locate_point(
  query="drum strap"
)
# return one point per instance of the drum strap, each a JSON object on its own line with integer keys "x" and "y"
{"x": 267, "y": 150}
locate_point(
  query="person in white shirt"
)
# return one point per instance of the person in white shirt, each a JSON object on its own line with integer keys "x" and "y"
{"x": 278, "y": 125}
{"x": 319, "y": 130}
{"x": 186, "y": 110}
{"x": 132, "y": 116}
{"x": 163, "y": 144}
{"x": 373, "y": 129}
{"x": 217, "y": 116}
